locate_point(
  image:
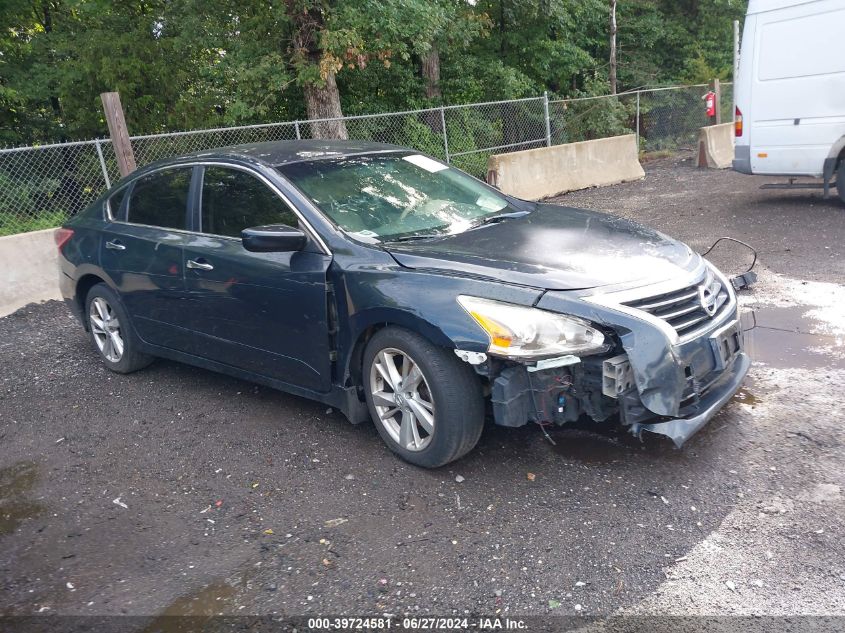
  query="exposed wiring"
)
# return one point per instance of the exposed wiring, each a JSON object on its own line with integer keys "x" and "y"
{"x": 754, "y": 320}
{"x": 537, "y": 415}
{"x": 732, "y": 239}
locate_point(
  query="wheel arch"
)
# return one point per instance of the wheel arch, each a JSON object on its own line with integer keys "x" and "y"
{"x": 837, "y": 152}
{"x": 83, "y": 286}
{"x": 87, "y": 277}
{"x": 365, "y": 327}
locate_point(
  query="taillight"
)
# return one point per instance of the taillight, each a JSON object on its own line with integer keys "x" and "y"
{"x": 62, "y": 235}
{"x": 738, "y": 122}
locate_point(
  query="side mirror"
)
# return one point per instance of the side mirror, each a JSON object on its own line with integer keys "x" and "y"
{"x": 273, "y": 238}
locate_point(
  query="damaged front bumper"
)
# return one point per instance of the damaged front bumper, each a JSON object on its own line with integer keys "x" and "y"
{"x": 660, "y": 378}
{"x": 679, "y": 430}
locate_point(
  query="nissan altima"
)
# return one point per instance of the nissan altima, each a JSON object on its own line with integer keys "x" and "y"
{"x": 397, "y": 288}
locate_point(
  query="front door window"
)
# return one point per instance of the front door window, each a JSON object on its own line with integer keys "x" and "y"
{"x": 234, "y": 200}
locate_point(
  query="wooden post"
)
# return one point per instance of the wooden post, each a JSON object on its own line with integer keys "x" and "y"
{"x": 118, "y": 132}
{"x": 717, "y": 89}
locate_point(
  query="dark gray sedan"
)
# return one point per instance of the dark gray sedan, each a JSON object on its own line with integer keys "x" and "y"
{"x": 399, "y": 289}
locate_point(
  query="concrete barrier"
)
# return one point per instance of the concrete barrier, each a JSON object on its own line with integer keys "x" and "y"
{"x": 548, "y": 171}
{"x": 716, "y": 146}
{"x": 30, "y": 269}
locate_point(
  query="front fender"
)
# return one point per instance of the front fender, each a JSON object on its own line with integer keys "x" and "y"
{"x": 423, "y": 302}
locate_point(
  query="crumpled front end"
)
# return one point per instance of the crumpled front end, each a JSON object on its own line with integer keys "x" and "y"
{"x": 677, "y": 358}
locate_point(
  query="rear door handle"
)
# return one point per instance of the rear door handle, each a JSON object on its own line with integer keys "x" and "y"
{"x": 115, "y": 245}
{"x": 199, "y": 264}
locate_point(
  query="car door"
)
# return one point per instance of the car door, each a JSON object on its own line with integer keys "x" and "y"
{"x": 262, "y": 312}
{"x": 141, "y": 250}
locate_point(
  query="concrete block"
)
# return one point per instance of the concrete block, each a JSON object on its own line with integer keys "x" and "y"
{"x": 716, "y": 146}
{"x": 548, "y": 171}
{"x": 29, "y": 262}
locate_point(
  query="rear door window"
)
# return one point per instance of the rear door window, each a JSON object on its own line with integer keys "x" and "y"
{"x": 233, "y": 200}
{"x": 161, "y": 199}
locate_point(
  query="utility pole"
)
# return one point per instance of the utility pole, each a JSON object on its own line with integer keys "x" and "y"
{"x": 613, "y": 47}
{"x": 118, "y": 132}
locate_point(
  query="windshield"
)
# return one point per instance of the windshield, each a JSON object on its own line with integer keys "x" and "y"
{"x": 394, "y": 196}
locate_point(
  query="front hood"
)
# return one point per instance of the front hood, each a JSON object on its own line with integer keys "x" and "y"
{"x": 555, "y": 248}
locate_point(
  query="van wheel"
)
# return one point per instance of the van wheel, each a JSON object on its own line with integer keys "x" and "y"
{"x": 840, "y": 179}
{"x": 111, "y": 333}
{"x": 426, "y": 404}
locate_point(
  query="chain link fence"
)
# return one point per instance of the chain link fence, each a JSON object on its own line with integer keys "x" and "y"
{"x": 662, "y": 118}
{"x": 40, "y": 187}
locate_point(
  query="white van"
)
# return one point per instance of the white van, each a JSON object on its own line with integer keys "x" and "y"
{"x": 790, "y": 91}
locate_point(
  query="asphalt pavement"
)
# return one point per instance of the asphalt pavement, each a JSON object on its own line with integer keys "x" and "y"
{"x": 175, "y": 490}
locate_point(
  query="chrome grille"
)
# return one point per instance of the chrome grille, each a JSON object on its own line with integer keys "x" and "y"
{"x": 688, "y": 309}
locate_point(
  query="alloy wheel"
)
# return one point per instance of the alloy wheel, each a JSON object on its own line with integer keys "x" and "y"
{"x": 402, "y": 399}
{"x": 105, "y": 327}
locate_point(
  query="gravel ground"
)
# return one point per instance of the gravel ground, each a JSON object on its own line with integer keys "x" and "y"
{"x": 178, "y": 491}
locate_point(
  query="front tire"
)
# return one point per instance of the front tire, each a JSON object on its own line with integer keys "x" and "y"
{"x": 111, "y": 333}
{"x": 840, "y": 179}
{"x": 426, "y": 404}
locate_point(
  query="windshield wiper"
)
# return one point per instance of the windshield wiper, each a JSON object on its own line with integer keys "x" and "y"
{"x": 490, "y": 219}
{"x": 500, "y": 217}
{"x": 415, "y": 236}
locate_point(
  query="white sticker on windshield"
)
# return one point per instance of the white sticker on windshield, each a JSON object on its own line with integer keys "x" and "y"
{"x": 425, "y": 162}
{"x": 491, "y": 204}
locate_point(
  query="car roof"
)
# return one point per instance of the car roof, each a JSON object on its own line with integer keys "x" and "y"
{"x": 278, "y": 153}
{"x": 272, "y": 154}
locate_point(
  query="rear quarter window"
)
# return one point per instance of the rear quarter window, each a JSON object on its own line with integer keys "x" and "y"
{"x": 161, "y": 199}
{"x": 114, "y": 204}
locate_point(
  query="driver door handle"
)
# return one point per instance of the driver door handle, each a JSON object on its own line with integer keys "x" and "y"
{"x": 115, "y": 245}
{"x": 199, "y": 264}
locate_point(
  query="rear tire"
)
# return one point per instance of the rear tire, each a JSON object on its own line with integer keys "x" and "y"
{"x": 111, "y": 332}
{"x": 840, "y": 179}
{"x": 426, "y": 404}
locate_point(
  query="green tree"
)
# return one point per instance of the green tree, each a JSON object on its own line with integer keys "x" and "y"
{"x": 197, "y": 63}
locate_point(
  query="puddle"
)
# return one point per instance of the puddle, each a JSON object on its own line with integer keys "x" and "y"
{"x": 781, "y": 337}
{"x": 195, "y": 611}
{"x": 15, "y": 482}
{"x": 746, "y": 397}
{"x": 210, "y": 600}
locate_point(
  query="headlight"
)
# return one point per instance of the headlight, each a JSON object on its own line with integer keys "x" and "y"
{"x": 528, "y": 333}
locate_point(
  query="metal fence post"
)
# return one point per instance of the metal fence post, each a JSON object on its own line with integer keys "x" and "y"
{"x": 638, "y": 120}
{"x": 445, "y": 135}
{"x": 296, "y": 126}
{"x": 546, "y": 114}
{"x": 103, "y": 164}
